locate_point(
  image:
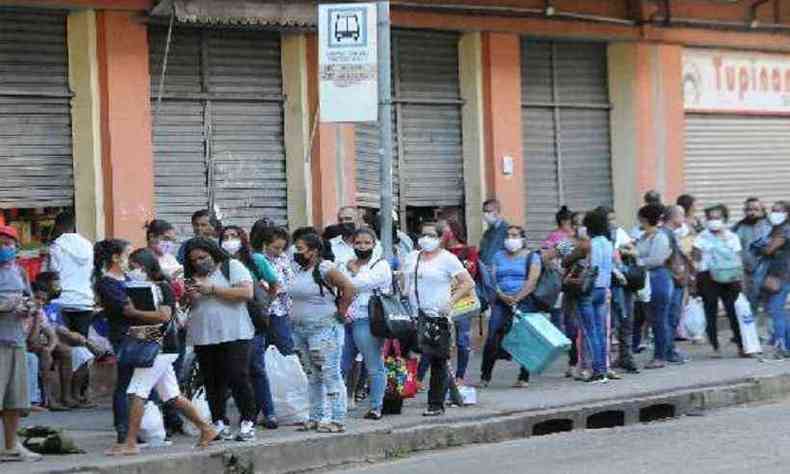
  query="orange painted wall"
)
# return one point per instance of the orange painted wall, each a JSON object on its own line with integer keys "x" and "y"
{"x": 127, "y": 153}
{"x": 502, "y": 121}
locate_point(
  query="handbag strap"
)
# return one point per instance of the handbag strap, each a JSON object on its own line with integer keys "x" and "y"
{"x": 416, "y": 282}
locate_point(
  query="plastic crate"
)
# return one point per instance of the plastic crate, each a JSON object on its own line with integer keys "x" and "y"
{"x": 534, "y": 342}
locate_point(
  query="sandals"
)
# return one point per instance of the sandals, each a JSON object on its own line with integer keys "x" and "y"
{"x": 373, "y": 415}
{"x": 331, "y": 428}
{"x": 308, "y": 426}
{"x": 205, "y": 441}
{"x": 122, "y": 450}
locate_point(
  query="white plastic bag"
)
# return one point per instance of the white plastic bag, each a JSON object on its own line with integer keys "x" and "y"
{"x": 288, "y": 384}
{"x": 693, "y": 320}
{"x": 748, "y": 325}
{"x": 201, "y": 405}
{"x": 469, "y": 395}
{"x": 152, "y": 427}
{"x": 645, "y": 293}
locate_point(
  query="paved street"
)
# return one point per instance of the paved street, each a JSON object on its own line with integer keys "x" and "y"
{"x": 751, "y": 439}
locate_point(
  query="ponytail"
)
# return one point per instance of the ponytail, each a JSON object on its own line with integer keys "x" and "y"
{"x": 103, "y": 252}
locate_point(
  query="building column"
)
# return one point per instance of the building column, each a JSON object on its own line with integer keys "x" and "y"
{"x": 470, "y": 64}
{"x": 647, "y": 123}
{"x": 503, "y": 138}
{"x": 333, "y": 155}
{"x": 86, "y": 124}
{"x": 127, "y": 152}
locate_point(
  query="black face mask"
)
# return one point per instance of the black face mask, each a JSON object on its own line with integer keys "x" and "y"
{"x": 301, "y": 260}
{"x": 347, "y": 229}
{"x": 53, "y": 295}
{"x": 204, "y": 268}
{"x": 363, "y": 254}
{"x": 751, "y": 219}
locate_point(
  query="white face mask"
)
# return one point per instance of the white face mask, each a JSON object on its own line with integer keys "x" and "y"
{"x": 429, "y": 244}
{"x": 231, "y": 246}
{"x": 490, "y": 218}
{"x": 137, "y": 275}
{"x": 715, "y": 225}
{"x": 582, "y": 232}
{"x": 682, "y": 231}
{"x": 514, "y": 245}
{"x": 777, "y": 218}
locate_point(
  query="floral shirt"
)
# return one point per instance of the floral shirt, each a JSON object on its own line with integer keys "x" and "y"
{"x": 281, "y": 305}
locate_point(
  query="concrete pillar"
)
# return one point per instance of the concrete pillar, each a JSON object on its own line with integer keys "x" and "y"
{"x": 470, "y": 63}
{"x": 126, "y": 124}
{"x": 86, "y": 124}
{"x": 297, "y": 129}
{"x": 647, "y": 123}
{"x": 503, "y": 138}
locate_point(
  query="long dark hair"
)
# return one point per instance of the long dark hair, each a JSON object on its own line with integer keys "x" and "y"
{"x": 259, "y": 232}
{"x": 146, "y": 259}
{"x": 245, "y": 252}
{"x": 103, "y": 253}
{"x": 206, "y": 245}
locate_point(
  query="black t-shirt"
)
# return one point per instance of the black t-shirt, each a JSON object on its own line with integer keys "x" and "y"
{"x": 113, "y": 297}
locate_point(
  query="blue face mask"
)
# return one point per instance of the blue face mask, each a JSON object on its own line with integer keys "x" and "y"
{"x": 7, "y": 254}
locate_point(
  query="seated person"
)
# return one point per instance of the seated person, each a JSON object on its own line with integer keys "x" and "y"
{"x": 41, "y": 341}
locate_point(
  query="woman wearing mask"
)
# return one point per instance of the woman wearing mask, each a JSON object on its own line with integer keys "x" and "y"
{"x": 220, "y": 329}
{"x": 655, "y": 248}
{"x": 233, "y": 240}
{"x": 778, "y": 250}
{"x": 592, "y": 308}
{"x": 272, "y": 243}
{"x": 161, "y": 376}
{"x": 368, "y": 275}
{"x": 516, "y": 273}
{"x": 717, "y": 238}
{"x": 321, "y": 298}
{"x": 161, "y": 238}
{"x": 432, "y": 272}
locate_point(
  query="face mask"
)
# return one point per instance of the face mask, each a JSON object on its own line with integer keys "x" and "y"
{"x": 137, "y": 275}
{"x": 777, "y": 218}
{"x": 581, "y": 232}
{"x": 55, "y": 294}
{"x": 125, "y": 265}
{"x": 682, "y": 231}
{"x": 301, "y": 260}
{"x": 231, "y": 246}
{"x": 715, "y": 225}
{"x": 166, "y": 247}
{"x": 490, "y": 218}
{"x": 347, "y": 229}
{"x": 514, "y": 245}
{"x": 429, "y": 244}
{"x": 751, "y": 219}
{"x": 7, "y": 253}
{"x": 363, "y": 254}
{"x": 204, "y": 268}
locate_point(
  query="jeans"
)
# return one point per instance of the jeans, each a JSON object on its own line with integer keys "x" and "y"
{"x": 623, "y": 316}
{"x": 776, "y": 309}
{"x": 661, "y": 289}
{"x": 260, "y": 381}
{"x": 675, "y": 313}
{"x": 640, "y": 317}
{"x": 321, "y": 348}
{"x": 712, "y": 292}
{"x": 592, "y": 313}
{"x": 437, "y": 390}
{"x": 501, "y": 316}
{"x": 463, "y": 344}
{"x": 227, "y": 365}
{"x": 280, "y": 332}
{"x": 364, "y": 342}
{"x": 120, "y": 404}
{"x": 32, "y": 378}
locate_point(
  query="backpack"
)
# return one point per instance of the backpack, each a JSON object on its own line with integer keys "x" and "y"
{"x": 258, "y": 306}
{"x": 725, "y": 264}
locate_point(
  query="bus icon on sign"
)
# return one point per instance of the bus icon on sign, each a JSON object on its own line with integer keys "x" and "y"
{"x": 347, "y": 27}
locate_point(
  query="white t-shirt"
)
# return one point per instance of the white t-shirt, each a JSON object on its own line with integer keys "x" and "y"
{"x": 434, "y": 280}
{"x": 706, "y": 240}
{"x": 621, "y": 238}
{"x": 344, "y": 252}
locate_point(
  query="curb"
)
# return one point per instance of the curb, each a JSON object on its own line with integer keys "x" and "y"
{"x": 289, "y": 457}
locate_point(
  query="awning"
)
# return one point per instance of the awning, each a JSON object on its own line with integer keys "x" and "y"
{"x": 284, "y": 13}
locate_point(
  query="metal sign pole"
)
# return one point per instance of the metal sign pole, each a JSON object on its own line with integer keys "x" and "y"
{"x": 385, "y": 124}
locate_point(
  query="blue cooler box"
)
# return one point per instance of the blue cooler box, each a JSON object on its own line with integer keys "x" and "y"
{"x": 534, "y": 342}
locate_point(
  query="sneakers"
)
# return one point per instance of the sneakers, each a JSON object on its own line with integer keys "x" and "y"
{"x": 246, "y": 432}
{"x": 430, "y": 412}
{"x": 598, "y": 378}
{"x": 19, "y": 454}
{"x": 270, "y": 423}
{"x": 224, "y": 431}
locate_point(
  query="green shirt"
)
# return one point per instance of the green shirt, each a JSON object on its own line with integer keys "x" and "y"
{"x": 264, "y": 269}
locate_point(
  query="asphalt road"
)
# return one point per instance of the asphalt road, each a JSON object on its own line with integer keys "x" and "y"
{"x": 753, "y": 439}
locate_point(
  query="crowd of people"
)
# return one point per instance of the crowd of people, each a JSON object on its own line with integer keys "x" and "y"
{"x": 317, "y": 286}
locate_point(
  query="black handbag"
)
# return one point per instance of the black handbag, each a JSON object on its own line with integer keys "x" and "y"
{"x": 139, "y": 351}
{"x": 389, "y": 317}
{"x": 635, "y": 277}
{"x": 258, "y": 306}
{"x": 581, "y": 280}
{"x": 548, "y": 288}
{"x": 434, "y": 333}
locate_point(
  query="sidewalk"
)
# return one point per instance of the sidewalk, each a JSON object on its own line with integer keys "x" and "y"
{"x": 285, "y": 450}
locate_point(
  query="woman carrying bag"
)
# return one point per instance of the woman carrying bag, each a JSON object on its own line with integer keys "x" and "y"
{"x": 777, "y": 282}
{"x": 431, "y": 273}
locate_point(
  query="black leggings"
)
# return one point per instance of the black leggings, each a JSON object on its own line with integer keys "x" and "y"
{"x": 712, "y": 292}
{"x": 227, "y": 365}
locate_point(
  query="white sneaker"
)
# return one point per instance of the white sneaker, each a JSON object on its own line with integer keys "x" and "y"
{"x": 19, "y": 454}
{"x": 224, "y": 431}
{"x": 246, "y": 431}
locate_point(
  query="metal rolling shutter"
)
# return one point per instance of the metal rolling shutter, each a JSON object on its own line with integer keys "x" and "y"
{"x": 427, "y": 86}
{"x": 567, "y": 152}
{"x": 220, "y": 128}
{"x": 729, "y": 158}
{"x": 36, "y": 164}
{"x": 367, "y": 164}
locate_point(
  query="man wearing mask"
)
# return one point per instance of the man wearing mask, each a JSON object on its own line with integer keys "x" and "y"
{"x": 203, "y": 225}
{"x": 493, "y": 240}
{"x": 750, "y": 229}
{"x": 348, "y": 220}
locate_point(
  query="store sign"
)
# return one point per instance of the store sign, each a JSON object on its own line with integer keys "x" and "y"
{"x": 729, "y": 81}
{"x": 348, "y": 62}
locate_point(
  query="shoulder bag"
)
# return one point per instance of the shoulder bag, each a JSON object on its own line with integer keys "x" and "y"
{"x": 258, "y": 306}
{"x": 549, "y": 285}
{"x": 141, "y": 346}
{"x": 580, "y": 280}
{"x": 433, "y": 333}
{"x": 389, "y": 316}
{"x": 726, "y": 265}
